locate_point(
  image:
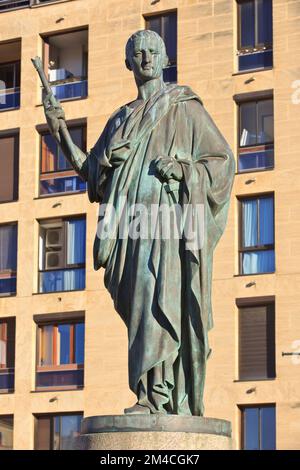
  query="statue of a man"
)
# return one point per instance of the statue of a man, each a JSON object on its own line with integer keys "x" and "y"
{"x": 159, "y": 149}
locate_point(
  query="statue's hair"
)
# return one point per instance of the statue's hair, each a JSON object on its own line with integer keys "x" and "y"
{"x": 147, "y": 34}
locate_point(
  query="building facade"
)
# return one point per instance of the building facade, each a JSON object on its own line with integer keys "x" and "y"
{"x": 63, "y": 349}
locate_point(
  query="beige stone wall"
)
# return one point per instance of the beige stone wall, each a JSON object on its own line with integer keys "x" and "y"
{"x": 206, "y": 62}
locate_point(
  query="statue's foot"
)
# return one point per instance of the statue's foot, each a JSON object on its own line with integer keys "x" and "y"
{"x": 137, "y": 410}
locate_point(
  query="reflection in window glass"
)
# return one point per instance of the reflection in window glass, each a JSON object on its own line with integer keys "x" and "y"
{"x": 6, "y": 432}
{"x": 79, "y": 343}
{"x": 259, "y": 428}
{"x": 64, "y": 344}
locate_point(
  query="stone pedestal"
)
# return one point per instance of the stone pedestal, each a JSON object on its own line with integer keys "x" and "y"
{"x": 154, "y": 432}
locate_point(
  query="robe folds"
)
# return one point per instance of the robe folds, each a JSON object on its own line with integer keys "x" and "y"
{"x": 162, "y": 288}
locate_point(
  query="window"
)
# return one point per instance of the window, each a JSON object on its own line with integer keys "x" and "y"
{"x": 10, "y": 56}
{"x": 60, "y": 355}
{"x": 6, "y": 432}
{"x": 6, "y": 5}
{"x": 7, "y": 354}
{"x": 255, "y": 34}
{"x": 57, "y": 174}
{"x": 9, "y": 166}
{"x": 66, "y": 63}
{"x": 166, "y": 26}
{"x": 55, "y": 432}
{"x": 8, "y": 259}
{"x": 62, "y": 255}
{"x": 257, "y": 253}
{"x": 257, "y": 342}
{"x": 256, "y": 135}
{"x": 258, "y": 427}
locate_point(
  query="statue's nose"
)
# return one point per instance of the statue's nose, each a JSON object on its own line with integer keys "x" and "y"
{"x": 147, "y": 56}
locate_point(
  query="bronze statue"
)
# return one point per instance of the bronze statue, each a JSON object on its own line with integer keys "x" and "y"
{"x": 160, "y": 149}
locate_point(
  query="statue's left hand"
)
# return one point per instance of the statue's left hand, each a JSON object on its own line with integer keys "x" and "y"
{"x": 169, "y": 168}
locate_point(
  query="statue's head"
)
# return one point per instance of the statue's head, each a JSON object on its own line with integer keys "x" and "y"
{"x": 146, "y": 55}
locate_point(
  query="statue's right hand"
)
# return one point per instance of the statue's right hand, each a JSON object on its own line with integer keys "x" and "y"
{"x": 54, "y": 115}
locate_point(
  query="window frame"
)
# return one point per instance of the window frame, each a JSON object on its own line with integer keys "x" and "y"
{"x": 160, "y": 16}
{"x": 14, "y": 134}
{"x": 66, "y": 267}
{"x": 85, "y": 59}
{"x": 242, "y": 409}
{"x": 10, "y": 273}
{"x": 8, "y": 369}
{"x": 51, "y": 417}
{"x": 257, "y": 45}
{"x": 250, "y": 249}
{"x": 55, "y": 367}
{"x": 256, "y": 302}
{"x": 253, "y": 97}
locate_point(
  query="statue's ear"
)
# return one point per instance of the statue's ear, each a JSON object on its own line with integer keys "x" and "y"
{"x": 166, "y": 61}
{"x": 127, "y": 63}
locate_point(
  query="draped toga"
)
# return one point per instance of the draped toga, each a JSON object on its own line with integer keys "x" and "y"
{"x": 160, "y": 287}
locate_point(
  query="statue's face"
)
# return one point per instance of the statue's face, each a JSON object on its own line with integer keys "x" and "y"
{"x": 147, "y": 58}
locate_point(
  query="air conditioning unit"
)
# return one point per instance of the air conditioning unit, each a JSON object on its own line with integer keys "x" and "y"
{"x": 54, "y": 259}
{"x": 54, "y": 237}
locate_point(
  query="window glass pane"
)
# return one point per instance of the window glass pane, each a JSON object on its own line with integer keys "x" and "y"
{"x": 170, "y": 36}
{"x": 42, "y": 433}
{"x": 8, "y": 168}
{"x": 248, "y": 124}
{"x": 8, "y": 247}
{"x": 76, "y": 241}
{"x": 264, "y": 21}
{"x": 56, "y": 433}
{"x": 247, "y": 24}
{"x": 265, "y": 121}
{"x": 266, "y": 221}
{"x": 256, "y": 160}
{"x": 256, "y": 60}
{"x": 6, "y": 432}
{"x": 49, "y": 153}
{"x": 64, "y": 344}
{"x": 3, "y": 344}
{"x": 258, "y": 262}
{"x": 154, "y": 23}
{"x": 250, "y": 222}
{"x": 47, "y": 345}
{"x": 251, "y": 428}
{"x": 70, "y": 428}
{"x": 268, "y": 428}
{"x": 62, "y": 280}
{"x": 79, "y": 343}
{"x": 7, "y": 75}
{"x": 77, "y": 136}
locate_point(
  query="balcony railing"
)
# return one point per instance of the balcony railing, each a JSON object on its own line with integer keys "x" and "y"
{"x": 9, "y": 98}
{"x": 66, "y": 376}
{"x": 58, "y": 280}
{"x": 256, "y": 157}
{"x": 6, "y": 5}
{"x": 70, "y": 90}
{"x": 7, "y": 380}
{"x": 13, "y": 4}
{"x": 8, "y": 283}
{"x": 60, "y": 182}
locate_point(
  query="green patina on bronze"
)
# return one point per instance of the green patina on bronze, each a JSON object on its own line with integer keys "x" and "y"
{"x": 160, "y": 288}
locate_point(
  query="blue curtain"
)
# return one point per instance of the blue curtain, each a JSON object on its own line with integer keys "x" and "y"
{"x": 76, "y": 241}
{"x": 266, "y": 221}
{"x": 250, "y": 222}
{"x": 259, "y": 262}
